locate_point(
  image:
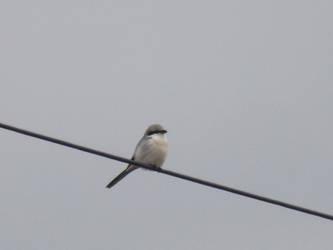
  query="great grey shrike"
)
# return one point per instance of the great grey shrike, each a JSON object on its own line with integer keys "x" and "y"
{"x": 151, "y": 150}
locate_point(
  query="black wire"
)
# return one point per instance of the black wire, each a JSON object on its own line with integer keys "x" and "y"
{"x": 169, "y": 172}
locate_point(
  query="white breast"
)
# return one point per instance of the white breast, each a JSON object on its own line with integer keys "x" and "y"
{"x": 159, "y": 150}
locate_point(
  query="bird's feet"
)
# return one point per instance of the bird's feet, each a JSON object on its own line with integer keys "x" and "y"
{"x": 153, "y": 167}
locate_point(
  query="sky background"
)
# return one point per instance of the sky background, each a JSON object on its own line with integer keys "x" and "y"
{"x": 243, "y": 87}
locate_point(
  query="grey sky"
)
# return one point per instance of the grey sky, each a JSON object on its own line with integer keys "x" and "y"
{"x": 243, "y": 87}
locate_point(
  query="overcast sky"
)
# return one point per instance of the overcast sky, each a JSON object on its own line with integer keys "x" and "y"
{"x": 243, "y": 87}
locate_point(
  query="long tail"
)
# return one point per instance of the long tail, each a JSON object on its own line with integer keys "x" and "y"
{"x": 129, "y": 169}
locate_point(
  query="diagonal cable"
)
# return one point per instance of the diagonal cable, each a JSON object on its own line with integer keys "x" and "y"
{"x": 169, "y": 172}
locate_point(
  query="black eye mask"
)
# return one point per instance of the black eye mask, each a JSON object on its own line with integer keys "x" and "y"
{"x": 157, "y": 132}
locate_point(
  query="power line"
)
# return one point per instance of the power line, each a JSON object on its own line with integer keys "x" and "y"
{"x": 168, "y": 172}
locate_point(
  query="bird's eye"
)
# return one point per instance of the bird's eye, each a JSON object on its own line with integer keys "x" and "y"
{"x": 157, "y": 132}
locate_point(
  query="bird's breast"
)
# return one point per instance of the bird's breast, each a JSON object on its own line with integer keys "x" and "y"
{"x": 159, "y": 150}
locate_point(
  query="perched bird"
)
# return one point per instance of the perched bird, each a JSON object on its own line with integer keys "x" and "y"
{"x": 151, "y": 150}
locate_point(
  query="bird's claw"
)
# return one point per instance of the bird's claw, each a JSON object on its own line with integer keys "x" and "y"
{"x": 153, "y": 167}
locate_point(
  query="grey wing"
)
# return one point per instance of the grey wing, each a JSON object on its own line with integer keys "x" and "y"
{"x": 143, "y": 149}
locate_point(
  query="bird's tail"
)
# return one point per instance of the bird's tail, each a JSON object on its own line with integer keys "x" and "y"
{"x": 129, "y": 169}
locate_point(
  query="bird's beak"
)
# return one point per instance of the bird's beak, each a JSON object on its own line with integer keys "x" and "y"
{"x": 164, "y": 131}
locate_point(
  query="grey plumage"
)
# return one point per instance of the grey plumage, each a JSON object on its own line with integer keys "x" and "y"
{"x": 151, "y": 149}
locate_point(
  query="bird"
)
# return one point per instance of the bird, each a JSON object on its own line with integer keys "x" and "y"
{"x": 152, "y": 150}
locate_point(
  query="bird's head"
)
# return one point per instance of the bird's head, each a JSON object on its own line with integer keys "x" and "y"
{"x": 155, "y": 129}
